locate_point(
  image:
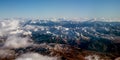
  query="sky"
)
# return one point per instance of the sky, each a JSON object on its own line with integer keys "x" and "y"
{"x": 60, "y": 8}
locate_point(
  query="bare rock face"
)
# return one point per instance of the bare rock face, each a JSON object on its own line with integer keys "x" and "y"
{"x": 59, "y": 51}
{"x": 6, "y": 54}
{"x": 63, "y": 52}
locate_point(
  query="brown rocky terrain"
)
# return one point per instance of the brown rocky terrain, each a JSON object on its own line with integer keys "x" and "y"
{"x": 64, "y": 52}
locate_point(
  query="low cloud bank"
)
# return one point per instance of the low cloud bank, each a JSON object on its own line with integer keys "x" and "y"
{"x": 17, "y": 42}
{"x": 12, "y": 31}
{"x": 6, "y": 26}
{"x": 35, "y": 56}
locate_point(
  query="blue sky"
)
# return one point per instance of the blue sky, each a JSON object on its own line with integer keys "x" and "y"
{"x": 60, "y": 8}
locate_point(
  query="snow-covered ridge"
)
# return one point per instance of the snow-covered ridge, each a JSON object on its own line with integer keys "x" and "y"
{"x": 61, "y": 27}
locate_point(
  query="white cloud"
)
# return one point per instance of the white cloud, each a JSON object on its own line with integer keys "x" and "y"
{"x": 7, "y": 26}
{"x": 92, "y": 57}
{"x": 35, "y": 56}
{"x": 17, "y": 42}
{"x": 14, "y": 28}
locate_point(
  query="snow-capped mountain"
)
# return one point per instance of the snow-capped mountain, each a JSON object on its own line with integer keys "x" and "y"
{"x": 56, "y": 35}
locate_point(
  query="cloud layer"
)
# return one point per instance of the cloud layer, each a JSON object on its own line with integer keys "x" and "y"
{"x": 35, "y": 56}
{"x": 17, "y": 42}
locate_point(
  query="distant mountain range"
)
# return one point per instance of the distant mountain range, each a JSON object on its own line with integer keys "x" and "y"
{"x": 85, "y": 38}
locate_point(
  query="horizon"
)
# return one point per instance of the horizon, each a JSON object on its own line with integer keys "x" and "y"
{"x": 80, "y": 19}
